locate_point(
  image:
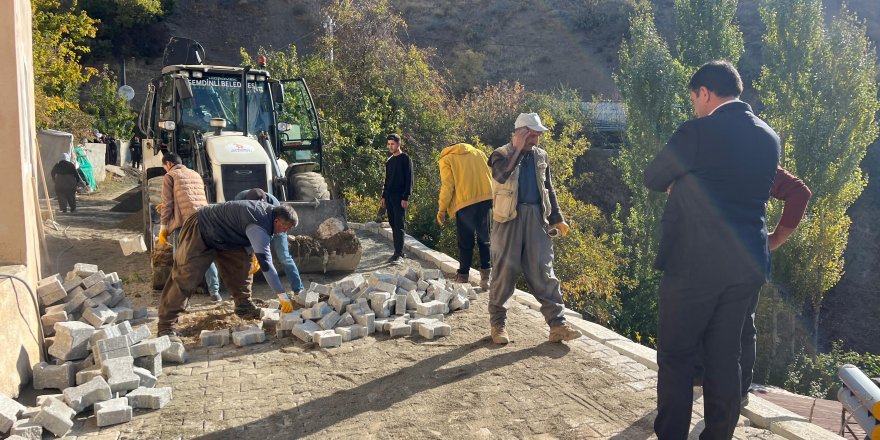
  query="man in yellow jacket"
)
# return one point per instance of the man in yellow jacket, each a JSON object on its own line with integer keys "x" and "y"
{"x": 466, "y": 193}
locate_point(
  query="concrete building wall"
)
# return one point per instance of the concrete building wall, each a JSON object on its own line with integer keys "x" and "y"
{"x": 19, "y": 216}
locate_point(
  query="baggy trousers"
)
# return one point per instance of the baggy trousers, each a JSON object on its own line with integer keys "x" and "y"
{"x": 473, "y": 221}
{"x": 192, "y": 260}
{"x": 522, "y": 246}
{"x": 697, "y": 316}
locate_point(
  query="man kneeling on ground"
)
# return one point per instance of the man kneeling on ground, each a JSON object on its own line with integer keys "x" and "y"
{"x": 224, "y": 234}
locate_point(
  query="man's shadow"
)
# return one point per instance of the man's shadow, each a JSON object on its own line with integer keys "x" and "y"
{"x": 381, "y": 393}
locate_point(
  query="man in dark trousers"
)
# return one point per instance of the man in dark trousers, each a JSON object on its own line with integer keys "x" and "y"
{"x": 226, "y": 234}
{"x": 396, "y": 192}
{"x": 718, "y": 169}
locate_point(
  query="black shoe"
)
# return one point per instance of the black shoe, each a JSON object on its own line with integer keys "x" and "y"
{"x": 172, "y": 335}
{"x": 395, "y": 258}
{"x": 247, "y": 311}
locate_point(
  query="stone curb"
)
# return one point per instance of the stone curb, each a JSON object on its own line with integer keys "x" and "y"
{"x": 762, "y": 413}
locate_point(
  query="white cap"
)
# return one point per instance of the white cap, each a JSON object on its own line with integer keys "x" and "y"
{"x": 530, "y": 120}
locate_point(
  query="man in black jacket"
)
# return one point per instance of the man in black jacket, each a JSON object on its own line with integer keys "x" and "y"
{"x": 225, "y": 234}
{"x": 718, "y": 170}
{"x": 396, "y": 191}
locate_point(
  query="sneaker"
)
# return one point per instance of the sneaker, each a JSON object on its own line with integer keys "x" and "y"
{"x": 461, "y": 278}
{"x": 395, "y": 258}
{"x": 216, "y": 297}
{"x": 499, "y": 335}
{"x": 172, "y": 335}
{"x": 247, "y": 311}
{"x": 564, "y": 332}
{"x": 484, "y": 278}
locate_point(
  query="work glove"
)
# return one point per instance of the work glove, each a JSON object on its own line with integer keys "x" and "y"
{"x": 286, "y": 303}
{"x": 441, "y": 217}
{"x": 255, "y": 265}
{"x": 160, "y": 207}
{"x": 163, "y": 237}
{"x": 561, "y": 229}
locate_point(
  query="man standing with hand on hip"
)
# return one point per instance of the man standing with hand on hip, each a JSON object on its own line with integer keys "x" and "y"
{"x": 466, "y": 193}
{"x": 525, "y": 212}
{"x": 718, "y": 169}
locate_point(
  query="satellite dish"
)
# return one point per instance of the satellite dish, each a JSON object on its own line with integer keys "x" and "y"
{"x": 126, "y": 92}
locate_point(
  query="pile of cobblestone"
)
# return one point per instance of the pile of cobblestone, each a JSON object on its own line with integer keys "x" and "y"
{"x": 403, "y": 303}
{"x": 101, "y": 357}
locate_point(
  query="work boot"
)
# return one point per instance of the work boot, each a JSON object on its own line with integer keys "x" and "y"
{"x": 564, "y": 332}
{"x": 484, "y": 278}
{"x": 499, "y": 335}
{"x": 215, "y": 296}
{"x": 172, "y": 335}
{"x": 461, "y": 277}
{"x": 247, "y": 311}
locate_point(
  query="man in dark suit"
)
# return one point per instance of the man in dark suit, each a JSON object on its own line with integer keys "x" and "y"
{"x": 718, "y": 170}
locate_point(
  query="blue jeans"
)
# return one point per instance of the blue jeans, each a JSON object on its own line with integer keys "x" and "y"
{"x": 282, "y": 251}
{"x": 211, "y": 277}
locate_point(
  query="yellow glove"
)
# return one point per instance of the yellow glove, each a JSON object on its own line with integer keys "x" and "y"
{"x": 160, "y": 207}
{"x": 441, "y": 217}
{"x": 163, "y": 237}
{"x": 286, "y": 303}
{"x": 255, "y": 265}
{"x": 561, "y": 228}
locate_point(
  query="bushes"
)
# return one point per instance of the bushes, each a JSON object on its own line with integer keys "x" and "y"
{"x": 817, "y": 376}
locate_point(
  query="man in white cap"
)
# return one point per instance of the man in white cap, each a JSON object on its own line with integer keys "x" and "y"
{"x": 525, "y": 214}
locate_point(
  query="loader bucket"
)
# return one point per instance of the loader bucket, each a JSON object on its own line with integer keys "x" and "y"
{"x": 341, "y": 253}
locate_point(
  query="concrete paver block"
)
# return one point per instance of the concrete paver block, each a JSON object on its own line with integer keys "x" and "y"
{"x": 400, "y": 304}
{"x": 99, "y": 315}
{"x": 317, "y": 311}
{"x": 407, "y": 284}
{"x": 111, "y": 344}
{"x": 83, "y": 396}
{"x": 367, "y": 320}
{"x": 329, "y": 320}
{"x": 338, "y": 301}
{"x": 43, "y": 400}
{"x": 432, "y": 308}
{"x": 104, "y": 356}
{"x": 71, "y": 283}
{"x": 71, "y": 340}
{"x": 87, "y": 375}
{"x": 345, "y": 320}
{"x": 431, "y": 330}
{"x": 123, "y": 313}
{"x": 55, "y": 417}
{"x": 153, "y": 364}
{"x": 50, "y": 291}
{"x": 289, "y": 320}
{"x": 307, "y": 298}
{"x": 430, "y": 274}
{"x": 137, "y": 334}
{"x": 96, "y": 289}
{"x": 214, "y": 338}
{"x": 120, "y": 374}
{"x": 412, "y": 300}
{"x": 9, "y": 412}
{"x": 147, "y": 379}
{"x": 85, "y": 269}
{"x": 322, "y": 289}
{"x": 54, "y": 376}
{"x": 327, "y": 339}
{"x": 351, "y": 332}
{"x": 248, "y": 337}
{"x": 75, "y": 302}
{"x": 151, "y": 347}
{"x": 48, "y": 321}
{"x": 149, "y": 398}
{"x": 399, "y": 329}
{"x": 26, "y": 429}
{"x": 113, "y": 412}
{"x": 175, "y": 353}
{"x": 443, "y": 296}
{"x": 459, "y": 302}
{"x": 305, "y": 330}
{"x": 90, "y": 280}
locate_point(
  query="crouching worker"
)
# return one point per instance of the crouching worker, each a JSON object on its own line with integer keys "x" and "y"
{"x": 224, "y": 234}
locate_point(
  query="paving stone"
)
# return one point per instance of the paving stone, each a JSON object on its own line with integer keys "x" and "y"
{"x": 48, "y": 321}
{"x": 26, "y": 429}
{"x": 106, "y": 332}
{"x": 351, "y": 332}
{"x": 411, "y": 274}
{"x": 422, "y": 285}
{"x": 305, "y": 330}
{"x": 317, "y": 311}
{"x": 120, "y": 374}
{"x": 380, "y": 286}
{"x": 289, "y": 320}
{"x": 55, "y": 417}
{"x": 412, "y": 300}
{"x": 153, "y": 364}
{"x": 99, "y": 315}
{"x": 321, "y": 289}
{"x": 269, "y": 314}
{"x": 327, "y": 339}
{"x": 307, "y": 298}
{"x": 43, "y": 400}
{"x": 432, "y": 308}
{"x": 137, "y": 334}
{"x": 338, "y": 301}
{"x": 249, "y": 337}
{"x": 116, "y": 298}
{"x": 345, "y": 320}
{"x": 214, "y": 338}
{"x": 85, "y": 269}
{"x": 104, "y": 356}
{"x": 329, "y": 320}
{"x": 400, "y": 305}
{"x": 87, "y": 374}
{"x": 430, "y": 274}
{"x": 51, "y": 291}
{"x": 29, "y": 412}
{"x": 147, "y": 379}
{"x": 72, "y": 283}
{"x": 140, "y": 313}
{"x": 367, "y": 320}
{"x": 83, "y": 396}
{"x": 111, "y": 344}
{"x": 407, "y": 284}
{"x": 112, "y": 412}
{"x": 71, "y": 340}
{"x": 443, "y": 296}
{"x": 175, "y": 353}
{"x": 431, "y": 330}
{"x": 54, "y": 376}
{"x": 459, "y": 302}
{"x": 95, "y": 289}
{"x": 123, "y": 313}
{"x": 75, "y": 302}
{"x": 151, "y": 347}
{"x": 399, "y": 329}
{"x": 382, "y": 324}
{"x": 149, "y": 398}
{"x": 437, "y": 317}
{"x": 9, "y": 412}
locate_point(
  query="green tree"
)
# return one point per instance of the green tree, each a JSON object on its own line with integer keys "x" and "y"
{"x": 820, "y": 89}
{"x": 127, "y": 27}
{"x": 60, "y": 34}
{"x": 110, "y": 111}
{"x": 651, "y": 83}
{"x": 706, "y": 31}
